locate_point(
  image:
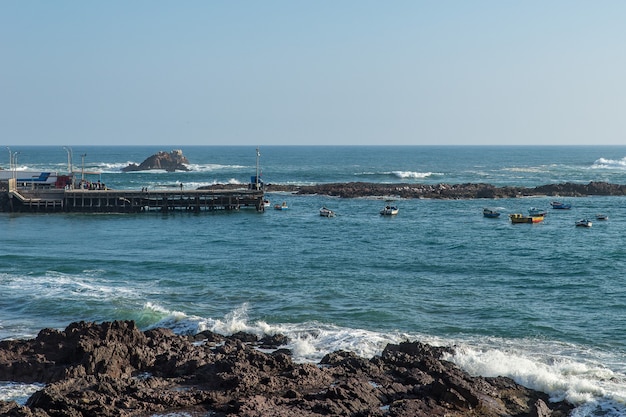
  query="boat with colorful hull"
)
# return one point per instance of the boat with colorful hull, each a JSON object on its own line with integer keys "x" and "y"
{"x": 520, "y": 218}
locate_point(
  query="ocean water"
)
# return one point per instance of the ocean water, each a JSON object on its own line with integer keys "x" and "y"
{"x": 544, "y": 304}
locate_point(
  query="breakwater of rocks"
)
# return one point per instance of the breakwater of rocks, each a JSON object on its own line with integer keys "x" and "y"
{"x": 114, "y": 369}
{"x": 453, "y": 191}
{"x": 443, "y": 191}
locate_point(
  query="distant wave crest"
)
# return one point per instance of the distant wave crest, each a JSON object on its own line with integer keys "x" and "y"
{"x": 117, "y": 167}
{"x": 402, "y": 174}
{"x": 604, "y": 163}
{"x": 413, "y": 174}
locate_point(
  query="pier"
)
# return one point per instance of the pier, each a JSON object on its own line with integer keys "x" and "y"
{"x": 127, "y": 201}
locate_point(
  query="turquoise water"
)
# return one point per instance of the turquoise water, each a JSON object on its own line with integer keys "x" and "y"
{"x": 544, "y": 304}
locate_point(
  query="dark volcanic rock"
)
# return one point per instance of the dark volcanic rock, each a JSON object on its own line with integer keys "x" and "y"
{"x": 173, "y": 161}
{"x": 114, "y": 369}
{"x": 451, "y": 191}
{"x": 441, "y": 191}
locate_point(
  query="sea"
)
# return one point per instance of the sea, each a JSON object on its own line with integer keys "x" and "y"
{"x": 543, "y": 304}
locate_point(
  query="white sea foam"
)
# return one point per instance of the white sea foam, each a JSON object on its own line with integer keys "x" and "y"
{"x": 116, "y": 167}
{"x": 18, "y": 392}
{"x": 605, "y": 163}
{"x": 413, "y": 174}
{"x": 401, "y": 174}
{"x": 582, "y": 381}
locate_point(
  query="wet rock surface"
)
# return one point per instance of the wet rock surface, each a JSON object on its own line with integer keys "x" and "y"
{"x": 114, "y": 369}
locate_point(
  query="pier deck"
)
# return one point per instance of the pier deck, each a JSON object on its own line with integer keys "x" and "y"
{"x": 130, "y": 201}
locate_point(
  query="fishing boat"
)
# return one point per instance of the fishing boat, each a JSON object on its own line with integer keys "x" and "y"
{"x": 282, "y": 206}
{"x": 602, "y": 217}
{"x": 326, "y": 212}
{"x": 583, "y": 223}
{"x": 266, "y": 203}
{"x": 560, "y": 205}
{"x": 491, "y": 213}
{"x": 534, "y": 211}
{"x": 520, "y": 218}
{"x": 389, "y": 211}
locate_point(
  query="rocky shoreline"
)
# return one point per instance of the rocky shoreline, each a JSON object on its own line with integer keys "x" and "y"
{"x": 443, "y": 191}
{"x": 114, "y": 369}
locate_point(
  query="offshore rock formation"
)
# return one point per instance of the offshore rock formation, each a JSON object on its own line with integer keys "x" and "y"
{"x": 114, "y": 369}
{"x": 451, "y": 191}
{"x": 173, "y": 161}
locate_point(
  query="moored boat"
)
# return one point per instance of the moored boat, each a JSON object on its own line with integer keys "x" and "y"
{"x": 534, "y": 211}
{"x": 583, "y": 223}
{"x": 560, "y": 205}
{"x": 491, "y": 213}
{"x": 389, "y": 211}
{"x": 326, "y": 212}
{"x": 520, "y": 218}
{"x": 602, "y": 217}
{"x": 282, "y": 206}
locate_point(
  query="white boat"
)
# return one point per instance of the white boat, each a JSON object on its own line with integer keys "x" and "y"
{"x": 602, "y": 217}
{"x": 266, "y": 203}
{"x": 583, "y": 223}
{"x": 281, "y": 206}
{"x": 389, "y": 210}
{"x": 325, "y": 212}
{"x": 534, "y": 211}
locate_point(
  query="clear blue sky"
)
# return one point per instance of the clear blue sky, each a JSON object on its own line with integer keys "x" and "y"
{"x": 318, "y": 72}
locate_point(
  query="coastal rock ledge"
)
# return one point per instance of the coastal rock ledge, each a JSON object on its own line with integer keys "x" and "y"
{"x": 114, "y": 369}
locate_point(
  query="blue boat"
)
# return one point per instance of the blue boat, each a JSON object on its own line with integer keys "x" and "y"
{"x": 560, "y": 206}
{"x": 491, "y": 213}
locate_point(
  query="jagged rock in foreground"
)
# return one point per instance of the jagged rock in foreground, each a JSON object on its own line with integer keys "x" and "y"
{"x": 114, "y": 369}
{"x": 173, "y": 161}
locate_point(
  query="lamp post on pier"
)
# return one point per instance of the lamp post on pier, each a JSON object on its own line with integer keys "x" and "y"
{"x": 14, "y": 159}
{"x": 82, "y": 172}
{"x": 256, "y": 178}
{"x": 70, "y": 171}
{"x": 10, "y": 159}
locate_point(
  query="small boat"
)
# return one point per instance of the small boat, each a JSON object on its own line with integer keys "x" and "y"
{"x": 325, "y": 212}
{"x": 389, "y": 211}
{"x": 520, "y": 218}
{"x": 602, "y": 217}
{"x": 534, "y": 211}
{"x": 281, "y": 206}
{"x": 560, "y": 206}
{"x": 266, "y": 203}
{"x": 491, "y": 213}
{"x": 583, "y": 223}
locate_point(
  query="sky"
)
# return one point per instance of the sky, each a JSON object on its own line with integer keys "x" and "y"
{"x": 238, "y": 72}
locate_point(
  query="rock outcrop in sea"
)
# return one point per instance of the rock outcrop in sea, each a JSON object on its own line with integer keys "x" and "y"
{"x": 172, "y": 161}
{"x": 443, "y": 191}
{"x": 114, "y": 369}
